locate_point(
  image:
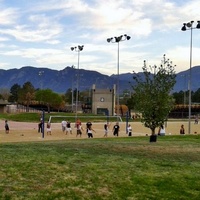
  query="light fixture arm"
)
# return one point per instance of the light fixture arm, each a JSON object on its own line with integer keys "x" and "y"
{"x": 118, "y": 39}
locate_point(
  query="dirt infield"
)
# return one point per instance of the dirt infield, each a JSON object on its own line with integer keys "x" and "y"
{"x": 21, "y": 131}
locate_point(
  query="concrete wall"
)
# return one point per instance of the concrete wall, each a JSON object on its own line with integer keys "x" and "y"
{"x": 103, "y": 100}
{"x": 2, "y": 109}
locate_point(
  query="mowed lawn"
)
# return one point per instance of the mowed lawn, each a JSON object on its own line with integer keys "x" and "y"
{"x": 110, "y": 168}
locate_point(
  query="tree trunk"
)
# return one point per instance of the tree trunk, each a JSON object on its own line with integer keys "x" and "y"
{"x": 48, "y": 108}
{"x": 153, "y": 136}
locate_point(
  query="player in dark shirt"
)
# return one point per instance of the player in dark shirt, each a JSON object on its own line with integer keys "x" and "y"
{"x": 116, "y": 129}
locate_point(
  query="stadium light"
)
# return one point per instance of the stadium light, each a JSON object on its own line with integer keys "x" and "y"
{"x": 78, "y": 49}
{"x": 118, "y": 40}
{"x": 189, "y": 26}
{"x": 40, "y": 73}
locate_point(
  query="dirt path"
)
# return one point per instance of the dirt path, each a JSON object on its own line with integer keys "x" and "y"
{"x": 23, "y": 131}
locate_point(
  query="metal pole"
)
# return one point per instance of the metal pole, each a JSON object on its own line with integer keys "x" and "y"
{"x": 73, "y": 93}
{"x": 43, "y": 124}
{"x": 189, "y": 84}
{"x": 72, "y": 96}
{"x": 117, "y": 40}
{"x": 185, "y": 89}
{"x": 118, "y": 83}
{"x": 127, "y": 120}
{"x": 77, "y": 85}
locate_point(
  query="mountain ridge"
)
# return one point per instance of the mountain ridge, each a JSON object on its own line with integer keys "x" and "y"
{"x": 62, "y": 80}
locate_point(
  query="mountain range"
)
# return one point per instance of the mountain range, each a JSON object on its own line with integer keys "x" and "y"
{"x": 61, "y": 80}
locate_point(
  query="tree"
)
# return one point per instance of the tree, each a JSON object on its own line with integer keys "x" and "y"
{"x": 14, "y": 90}
{"x": 196, "y": 96}
{"x": 152, "y": 94}
{"x": 5, "y": 93}
{"x": 68, "y": 96}
{"x": 179, "y": 97}
{"x": 49, "y": 98}
{"x": 57, "y": 101}
{"x": 26, "y": 94}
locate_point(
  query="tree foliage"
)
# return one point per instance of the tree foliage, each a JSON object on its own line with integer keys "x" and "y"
{"x": 68, "y": 95}
{"x": 49, "y": 98}
{"x": 4, "y": 93}
{"x": 26, "y": 94}
{"x": 14, "y": 90}
{"x": 152, "y": 96}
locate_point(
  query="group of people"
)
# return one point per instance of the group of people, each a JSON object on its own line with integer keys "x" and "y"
{"x": 40, "y": 127}
{"x": 161, "y": 130}
{"x": 66, "y": 127}
{"x": 90, "y": 130}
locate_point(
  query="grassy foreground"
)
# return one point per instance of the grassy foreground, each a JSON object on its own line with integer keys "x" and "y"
{"x": 111, "y": 168}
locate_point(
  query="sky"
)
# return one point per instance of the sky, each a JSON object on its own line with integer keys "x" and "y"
{"x": 40, "y": 33}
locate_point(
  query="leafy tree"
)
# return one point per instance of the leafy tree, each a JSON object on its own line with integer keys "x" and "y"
{"x": 179, "y": 97}
{"x": 196, "y": 96}
{"x": 5, "y": 93}
{"x": 49, "y": 98}
{"x": 131, "y": 104}
{"x": 14, "y": 90}
{"x": 152, "y": 94}
{"x": 57, "y": 101}
{"x": 26, "y": 94}
{"x": 44, "y": 96}
{"x": 68, "y": 96}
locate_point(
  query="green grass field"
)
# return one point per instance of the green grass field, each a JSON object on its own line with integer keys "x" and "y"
{"x": 111, "y": 168}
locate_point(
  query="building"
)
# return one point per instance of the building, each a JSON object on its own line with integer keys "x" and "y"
{"x": 103, "y": 100}
{"x": 3, "y": 106}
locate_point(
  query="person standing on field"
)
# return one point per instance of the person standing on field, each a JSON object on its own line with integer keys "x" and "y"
{"x": 129, "y": 130}
{"x": 6, "y": 126}
{"x": 68, "y": 128}
{"x": 182, "y": 130}
{"x": 79, "y": 129}
{"x": 106, "y": 127}
{"x": 63, "y": 124}
{"x": 88, "y": 125}
{"x": 48, "y": 128}
{"x": 89, "y": 132}
{"x": 40, "y": 126}
{"x": 116, "y": 129}
{"x": 161, "y": 130}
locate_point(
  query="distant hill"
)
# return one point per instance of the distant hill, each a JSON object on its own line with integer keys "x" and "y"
{"x": 61, "y": 80}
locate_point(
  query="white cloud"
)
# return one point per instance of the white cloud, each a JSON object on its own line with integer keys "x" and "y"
{"x": 8, "y": 16}
{"x": 4, "y": 65}
{"x": 39, "y": 34}
{"x": 3, "y": 39}
{"x": 40, "y": 28}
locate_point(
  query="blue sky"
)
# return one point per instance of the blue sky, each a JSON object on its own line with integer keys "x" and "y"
{"x": 40, "y": 33}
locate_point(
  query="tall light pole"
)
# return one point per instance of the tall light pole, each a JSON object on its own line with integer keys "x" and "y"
{"x": 40, "y": 73}
{"x": 118, "y": 40}
{"x": 78, "y": 49}
{"x": 72, "y": 90}
{"x": 189, "y": 26}
{"x": 184, "y": 88}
